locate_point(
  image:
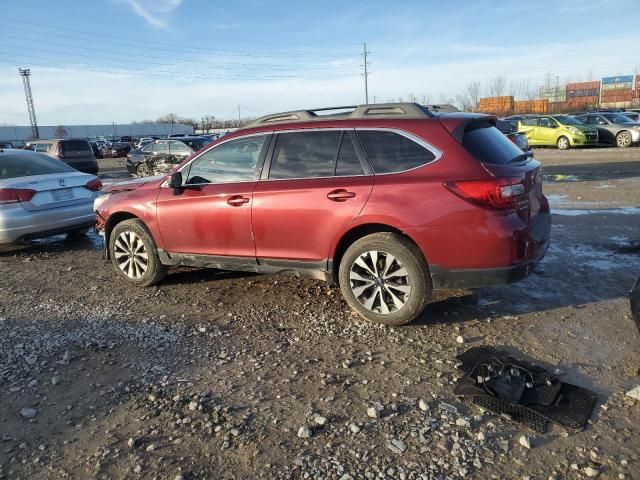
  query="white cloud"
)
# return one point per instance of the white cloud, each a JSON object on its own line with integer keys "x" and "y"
{"x": 154, "y": 11}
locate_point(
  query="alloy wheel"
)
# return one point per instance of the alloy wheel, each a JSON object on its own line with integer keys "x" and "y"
{"x": 623, "y": 139}
{"x": 131, "y": 254}
{"x": 563, "y": 143}
{"x": 379, "y": 282}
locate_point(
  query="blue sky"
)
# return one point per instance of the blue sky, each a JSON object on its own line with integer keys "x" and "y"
{"x": 120, "y": 60}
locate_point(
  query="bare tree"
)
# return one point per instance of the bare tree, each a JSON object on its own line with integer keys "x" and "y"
{"x": 498, "y": 87}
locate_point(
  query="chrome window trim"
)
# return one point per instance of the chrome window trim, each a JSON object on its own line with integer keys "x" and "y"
{"x": 423, "y": 143}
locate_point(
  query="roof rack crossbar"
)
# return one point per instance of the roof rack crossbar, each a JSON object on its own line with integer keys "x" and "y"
{"x": 404, "y": 110}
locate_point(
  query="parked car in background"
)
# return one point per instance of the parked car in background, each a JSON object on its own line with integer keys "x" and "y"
{"x": 613, "y": 128}
{"x": 162, "y": 155}
{"x": 563, "y": 131}
{"x": 633, "y": 116}
{"x": 6, "y": 145}
{"x": 42, "y": 196}
{"x": 120, "y": 149}
{"x": 385, "y": 200}
{"x": 144, "y": 141}
{"x": 96, "y": 149}
{"x": 511, "y": 132}
{"x": 177, "y": 135}
{"x": 76, "y": 153}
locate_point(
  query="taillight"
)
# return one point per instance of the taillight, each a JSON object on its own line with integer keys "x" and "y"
{"x": 94, "y": 185}
{"x": 15, "y": 195}
{"x": 496, "y": 193}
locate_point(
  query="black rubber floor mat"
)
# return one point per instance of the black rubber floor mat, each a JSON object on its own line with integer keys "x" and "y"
{"x": 551, "y": 400}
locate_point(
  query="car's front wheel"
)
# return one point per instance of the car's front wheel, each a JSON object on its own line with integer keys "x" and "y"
{"x": 134, "y": 255}
{"x": 563, "y": 143}
{"x": 385, "y": 278}
{"x": 623, "y": 139}
{"x": 143, "y": 170}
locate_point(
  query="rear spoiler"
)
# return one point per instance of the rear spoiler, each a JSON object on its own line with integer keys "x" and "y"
{"x": 457, "y": 123}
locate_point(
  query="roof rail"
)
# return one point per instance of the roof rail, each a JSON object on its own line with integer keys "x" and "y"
{"x": 377, "y": 110}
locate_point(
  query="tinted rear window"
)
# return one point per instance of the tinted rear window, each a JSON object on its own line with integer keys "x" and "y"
{"x": 13, "y": 166}
{"x": 305, "y": 155}
{"x": 488, "y": 145}
{"x": 390, "y": 152}
{"x": 75, "y": 146}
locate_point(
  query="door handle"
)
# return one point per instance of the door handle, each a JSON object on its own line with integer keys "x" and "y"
{"x": 237, "y": 200}
{"x": 340, "y": 195}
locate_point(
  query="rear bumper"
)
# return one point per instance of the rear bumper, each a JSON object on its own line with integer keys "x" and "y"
{"x": 536, "y": 247}
{"x": 18, "y": 224}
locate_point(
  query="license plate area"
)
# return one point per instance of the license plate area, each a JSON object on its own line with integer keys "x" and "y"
{"x": 62, "y": 194}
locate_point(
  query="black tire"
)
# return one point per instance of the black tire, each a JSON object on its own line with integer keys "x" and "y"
{"x": 563, "y": 143}
{"x": 143, "y": 170}
{"x": 623, "y": 139}
{"x": 154, "y": 272}
{"x": 407, "y": 255}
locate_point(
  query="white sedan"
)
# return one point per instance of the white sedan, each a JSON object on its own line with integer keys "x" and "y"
{"x": 41, "y": 196}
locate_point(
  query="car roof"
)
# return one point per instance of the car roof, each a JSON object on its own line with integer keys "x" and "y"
{"x": 376, "y": 111}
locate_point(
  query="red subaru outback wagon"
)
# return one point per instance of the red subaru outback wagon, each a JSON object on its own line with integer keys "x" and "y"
{"x": 391, "y": 201}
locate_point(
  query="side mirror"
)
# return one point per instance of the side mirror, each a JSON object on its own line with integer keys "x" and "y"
{"x": 175, "y": 180}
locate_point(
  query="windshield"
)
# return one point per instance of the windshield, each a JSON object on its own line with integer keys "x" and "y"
{"x": 617, "y": 118}
{"x": 567, "y": 120}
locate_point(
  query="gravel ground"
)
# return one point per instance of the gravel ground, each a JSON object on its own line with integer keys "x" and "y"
{"x": 225, "y": 375}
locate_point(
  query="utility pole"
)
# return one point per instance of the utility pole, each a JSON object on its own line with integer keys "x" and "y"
{"x": 239, "y": 120}
{"x": 366, "y": 64}
{"x": 25, "y": 74}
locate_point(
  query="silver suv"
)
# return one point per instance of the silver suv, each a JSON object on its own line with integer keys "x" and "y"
{"x": 76, "y": 153}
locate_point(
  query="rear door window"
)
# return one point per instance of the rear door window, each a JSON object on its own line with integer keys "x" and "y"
{"x": 305, "y": 155}
{"x": 179, "y": 148}
{"x": 24, "y": 165}
{"x": 488, "y": 145}
{"x": 160, "y": 147}
{"x": 348, "y": 160}
{"x": 390, "y": 152}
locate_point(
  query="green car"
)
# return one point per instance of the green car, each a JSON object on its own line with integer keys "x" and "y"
{"x": 563, "y": 131}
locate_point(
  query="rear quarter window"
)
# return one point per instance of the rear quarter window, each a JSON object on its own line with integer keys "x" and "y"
{"x": 390, "y": 152}
{"x": 488, "y": 145}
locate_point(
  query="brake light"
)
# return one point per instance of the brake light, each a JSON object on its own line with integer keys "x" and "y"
{"x": 15, "y": 195}
{"x": 496, "y": 193}
{"x": 94, "y": 185}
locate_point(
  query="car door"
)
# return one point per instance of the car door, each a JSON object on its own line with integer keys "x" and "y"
{"x": 605, "y": 133}
{"x": 213, "y": 215}
{"x": 529, "y": 127}
{"x": 547, "y": 131}
{"x": 315, "y": 183}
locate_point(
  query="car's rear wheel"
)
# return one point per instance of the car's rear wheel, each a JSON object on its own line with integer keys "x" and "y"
{"x": 623, "y": 139}
{"x": 143, "y": 170}
{"x": 563, "y": 143}
{"x": 385, "y": 278}
{"x": 134, "y": 255}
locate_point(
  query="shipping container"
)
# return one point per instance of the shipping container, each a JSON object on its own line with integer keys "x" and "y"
{"x": 584, "y": 85}
{"x": 617, "y": 95}
{"x": 637, "y": 82}
{"x": 497, "y": 105}
{"x": 620, "y": 79}
{"x": 592, "y": 92}
{"x": 617, "y": 86}
{"x": 628, "y": 104}
{"x": 531, "y": 106}
{"x": 557, "y": 107}
{"x": 553, "y": 94}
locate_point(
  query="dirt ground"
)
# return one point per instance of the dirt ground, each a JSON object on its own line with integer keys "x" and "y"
{"x": 236, "y": 376}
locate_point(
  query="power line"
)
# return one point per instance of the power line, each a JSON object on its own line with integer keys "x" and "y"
{"x": 181, "y": 48}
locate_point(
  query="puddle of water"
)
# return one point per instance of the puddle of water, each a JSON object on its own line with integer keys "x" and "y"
{"x": 604, "y": 211}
